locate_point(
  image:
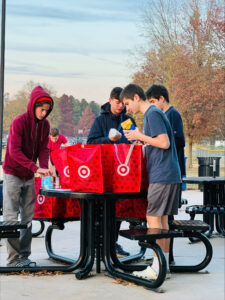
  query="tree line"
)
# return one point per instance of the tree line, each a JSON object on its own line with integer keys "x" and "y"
{"x": 73, "y": 117}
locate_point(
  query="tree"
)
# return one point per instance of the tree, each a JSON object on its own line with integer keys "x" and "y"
{"x": 186, "y": 54}
{"x": 95, "y": 107}
{"x": 67, "y": 124}
{"x": 76, "y": 110}
{"x": 83, "y": 105}
{"x": 86, "y": 120}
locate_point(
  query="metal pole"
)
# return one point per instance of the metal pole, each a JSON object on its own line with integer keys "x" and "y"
{"x": 2, "y": 68}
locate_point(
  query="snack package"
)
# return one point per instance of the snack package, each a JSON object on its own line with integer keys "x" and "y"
{"x": 46, "y": 182}
{"x": 128, "y": 125}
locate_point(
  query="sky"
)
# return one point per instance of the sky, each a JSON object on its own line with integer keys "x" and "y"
{"x": 77, "y": 47}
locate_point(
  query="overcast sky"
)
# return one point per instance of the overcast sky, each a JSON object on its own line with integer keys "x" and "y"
{"x": 78, "y": 47}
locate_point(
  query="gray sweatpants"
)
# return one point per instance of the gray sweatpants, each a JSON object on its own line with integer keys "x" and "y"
{"x": 18, "y": 198}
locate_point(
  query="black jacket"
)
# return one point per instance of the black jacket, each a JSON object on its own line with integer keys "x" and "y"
{"x": 103, "y": 123}
{"x": 176, "y": 123}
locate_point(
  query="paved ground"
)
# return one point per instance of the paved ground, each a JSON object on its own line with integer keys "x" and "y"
{"x": 198, "y": 286}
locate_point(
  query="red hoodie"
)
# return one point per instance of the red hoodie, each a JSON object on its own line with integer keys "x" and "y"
{"x": 28, "y": 140}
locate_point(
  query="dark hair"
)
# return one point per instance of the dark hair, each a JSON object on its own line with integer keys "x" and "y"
{"x": 54, "y": 132}
{"x": 130, "y": 90}
{"x": 115, "y": 93}
{"x": 157, "y": 90}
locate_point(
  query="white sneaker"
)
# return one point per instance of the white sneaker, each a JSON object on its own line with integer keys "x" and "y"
{"x": 168, "y": 274}
{"x": 148, "y": 273}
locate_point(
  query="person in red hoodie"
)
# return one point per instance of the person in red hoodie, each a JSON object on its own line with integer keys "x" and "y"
{"x": 56, "y": 140}
{"x": 27, "y": 142}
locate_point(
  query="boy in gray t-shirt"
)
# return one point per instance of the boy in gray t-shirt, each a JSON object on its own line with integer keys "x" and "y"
{"x": 162, "y": 167}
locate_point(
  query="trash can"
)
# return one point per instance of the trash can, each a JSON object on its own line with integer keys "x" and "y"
{"x": 205, "y": 166}
{"x": 208, "y": 166}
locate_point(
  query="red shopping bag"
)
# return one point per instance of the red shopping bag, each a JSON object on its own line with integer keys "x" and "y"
{"x": 54, "y": 207}
{"x": 47, "y": 207}
{"x": 59, "y": 158}
{"x": 124, "y": 208}
{"x": 127, "y": 168}
{"x": 72, "y": 208}
{"x": 139, "y": 208}
{"x": 90, "y": 168}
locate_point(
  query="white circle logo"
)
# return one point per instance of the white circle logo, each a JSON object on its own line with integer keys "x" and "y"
{"x": 66, "y": 171}
{"x": 84, "y": 171}
{"x": 123, "y": 170}
{"x": 40, "y": 199}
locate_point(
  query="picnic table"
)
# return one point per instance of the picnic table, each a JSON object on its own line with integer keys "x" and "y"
{"x": 213, "y": 208}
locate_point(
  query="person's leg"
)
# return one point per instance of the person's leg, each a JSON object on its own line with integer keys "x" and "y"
{"x": 119, "y": 248}
{"x": 11, "y": 194}
{"x": 166, "y": 246}
{"x": 27, "y": 211}
{"x": 155, "y": 222}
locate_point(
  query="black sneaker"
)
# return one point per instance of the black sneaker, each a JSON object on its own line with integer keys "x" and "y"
{"x": 120, "y": 251}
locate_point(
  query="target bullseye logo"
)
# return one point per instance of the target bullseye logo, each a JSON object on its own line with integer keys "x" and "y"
{"x": 66, "y": 171}
{"x": 123, "y": 170}
{"x": 84, "y": 171}
{"x": 40, "y": 199}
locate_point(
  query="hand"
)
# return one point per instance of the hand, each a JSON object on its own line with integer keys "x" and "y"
{"x": 44, "y": 172}
{"x": 115, "y": 137}
{"x": 132, "y": 135}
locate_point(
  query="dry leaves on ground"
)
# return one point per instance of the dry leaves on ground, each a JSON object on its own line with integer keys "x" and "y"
{"x": 123, "y": 282}
{"x": 27, "y": 273}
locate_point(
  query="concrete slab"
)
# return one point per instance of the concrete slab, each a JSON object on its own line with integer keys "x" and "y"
{"x": 202, "y": 285}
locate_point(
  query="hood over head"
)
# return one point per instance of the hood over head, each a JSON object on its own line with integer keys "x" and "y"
{"x": 38, "y": 94}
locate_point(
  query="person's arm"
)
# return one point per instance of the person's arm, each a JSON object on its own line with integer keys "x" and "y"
{"x": 15, "y": 146}
{"x": 96, "y": 135}
{"x": 159, "y": 141}
{"x": 157, "y": 131}
{"x": 44, "y": 150}
{"x": 64, "y": 140}
{"x": 177, "y": 127}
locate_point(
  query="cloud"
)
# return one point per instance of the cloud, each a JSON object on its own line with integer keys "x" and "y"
{"x": 37, "y": 70}
{"x": 93, "y": 11}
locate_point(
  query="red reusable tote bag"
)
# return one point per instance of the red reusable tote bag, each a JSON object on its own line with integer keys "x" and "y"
{"x": 47, "y": 207}
{"x": 59, "y": 158}
{"x": 127, "y": 168}
{"x": 54, "y": 207}
{"x": 87, "y": 167}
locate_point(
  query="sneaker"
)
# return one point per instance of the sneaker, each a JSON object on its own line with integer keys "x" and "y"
{"x": 26, "y": 262}
{"x": 168, "y": 274}
{"x": 14, "y": 262}
{"x": 148, "y": 273}
{"x": 120, "y": 251}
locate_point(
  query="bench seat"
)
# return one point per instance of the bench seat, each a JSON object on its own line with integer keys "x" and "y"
{"x": 12, "y": 230}
{"x": 148, "y": 234}
{"x": 189, "y": 225}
